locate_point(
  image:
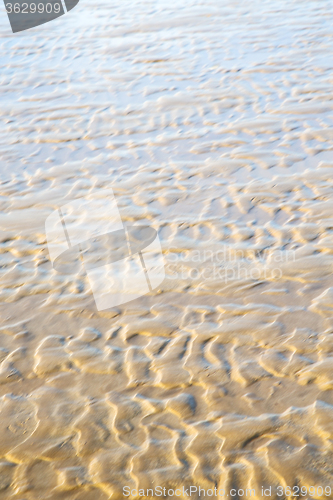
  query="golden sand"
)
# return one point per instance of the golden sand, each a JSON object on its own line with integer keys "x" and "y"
{"x": 213, "y": 122}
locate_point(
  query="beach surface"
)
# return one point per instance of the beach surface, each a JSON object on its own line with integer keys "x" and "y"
{"x": 211, "y": 121}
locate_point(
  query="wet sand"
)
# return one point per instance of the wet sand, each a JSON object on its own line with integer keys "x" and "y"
{"x": 212, "y": 121}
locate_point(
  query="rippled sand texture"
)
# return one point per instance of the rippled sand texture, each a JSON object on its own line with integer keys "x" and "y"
{"x": 213, "y": 121}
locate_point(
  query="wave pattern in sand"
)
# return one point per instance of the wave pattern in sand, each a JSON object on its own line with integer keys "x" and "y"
{"x": 213, "y": 121}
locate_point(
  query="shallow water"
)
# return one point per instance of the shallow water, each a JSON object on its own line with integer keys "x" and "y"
{"x": 212, "y": 121}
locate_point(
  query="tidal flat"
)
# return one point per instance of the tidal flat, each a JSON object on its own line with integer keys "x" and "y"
{"x": 211, "y": 121}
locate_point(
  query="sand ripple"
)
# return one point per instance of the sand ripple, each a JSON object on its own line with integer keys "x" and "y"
{"x": 212, "y": 121}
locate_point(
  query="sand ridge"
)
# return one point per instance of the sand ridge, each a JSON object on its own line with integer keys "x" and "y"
{"x": 212, "y": 121}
